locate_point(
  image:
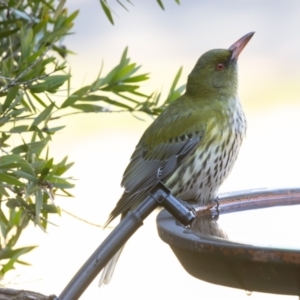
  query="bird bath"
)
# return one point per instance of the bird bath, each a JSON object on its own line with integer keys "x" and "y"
{"x": 254, "y": 245}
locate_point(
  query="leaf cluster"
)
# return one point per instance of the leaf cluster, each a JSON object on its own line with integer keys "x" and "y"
{"x": 33, "y": 73}
{"x": 119, "y": 91}
{"x": 31, "y": 63}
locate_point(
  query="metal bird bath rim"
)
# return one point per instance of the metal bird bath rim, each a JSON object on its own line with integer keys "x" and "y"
{"x": 221, "y": 261}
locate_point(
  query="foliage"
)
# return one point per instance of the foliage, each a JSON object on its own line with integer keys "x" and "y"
{"x": 33, "y": 71}
{"x": 30, "y": 72}
{"x": 109, "y": 13}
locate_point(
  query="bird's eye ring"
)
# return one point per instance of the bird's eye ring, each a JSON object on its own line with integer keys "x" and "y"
{"x": 220, "y": 66}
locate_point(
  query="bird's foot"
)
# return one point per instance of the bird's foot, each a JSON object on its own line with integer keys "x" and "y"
{"x": 215, "y": 210}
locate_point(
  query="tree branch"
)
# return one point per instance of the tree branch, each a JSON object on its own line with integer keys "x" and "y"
{"x": 11, "y": 294}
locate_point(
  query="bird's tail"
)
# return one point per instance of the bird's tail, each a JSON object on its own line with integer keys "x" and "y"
{"x": 108, "y": 270}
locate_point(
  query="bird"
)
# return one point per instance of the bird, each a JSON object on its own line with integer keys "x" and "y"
{"x": 193, "y": 144}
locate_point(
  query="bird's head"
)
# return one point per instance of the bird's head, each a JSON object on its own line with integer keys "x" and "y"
{"x": 216, "y": 70}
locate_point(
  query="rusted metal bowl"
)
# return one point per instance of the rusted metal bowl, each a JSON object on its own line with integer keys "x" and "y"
{"x": 207, "y": 254}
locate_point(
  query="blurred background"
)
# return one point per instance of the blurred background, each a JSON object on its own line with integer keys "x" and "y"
{"x": 101, "y": 144}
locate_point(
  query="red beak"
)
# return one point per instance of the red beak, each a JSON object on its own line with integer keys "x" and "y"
{"x": 239, "y": 45}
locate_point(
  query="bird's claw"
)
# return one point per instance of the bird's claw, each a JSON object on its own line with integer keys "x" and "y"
{"x": 216, "y": 209}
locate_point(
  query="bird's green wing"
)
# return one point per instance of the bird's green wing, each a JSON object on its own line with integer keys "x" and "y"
{"x": 157, "y": 158}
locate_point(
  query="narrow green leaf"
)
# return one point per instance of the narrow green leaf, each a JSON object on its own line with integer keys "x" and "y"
{"x": 40, "y": 25}
{"x": 70, "y": 101}
{"x": 38, "y": 99}
{"x": 61, "y": 183}
{"x": 34, "y": 56}
{"x": 88, "y": 107}
{"x": 107, "y": 11}
{"x": 21, "y": 262}
{"x": 20, "y": 149}
{"x": 25, "y": 175}
{"x": 124, "y": 5}
{"x": 124, "y": 73}
{"x": 78, "y": 95}
{"x": 38, "y": 205}
{"x": 53, "y": 129}
{"x": 62, "y": 168}
{"x": 82, "y": 91}
{"x": 72, "y": 16}
{"x": 118, "y": 104}
{"x": 12, "y": 203}
{"x": 4, "y": 120}
{"x": 67, "y": 193}
{"x": 4, "y": 224}
{"x": 38, "y": 87}
{"x": 124, "y": 60}
{"x": 16, "y": 112}
{"x": 10, "y": 180}
{"x": 121, "y": 88}
{"x": 3, "y": 191}
{"x": 63, "y": 161}
{"x": 6, "y": 33}
{"x": 28, "y": 104}
{"x": 49, "y": 84}
{"x": 9, "y": 159}
{"x": 19, "y": 129}
{"x": 15, "y": 216}
{"x": 57, "y": 34}
{"x": 96, "y": 84}
{"x": 109, "y": 77}
{"x": 16, "y": 252}
{"x": 94, "y": 98}
{"x": 46, "y": 169}
{"x": 42, "y": 116}
{"x": 49, "y": 164}
{"x": 173, "y": 95}
{"x": 176, "y": 79}
{"x": 13, "y": 161}
{"x": 50, "y": 208}
{"x": 55, "y": 81}
{"x": 26, "y": 43}
{"x": 127, "y": 98}
{"x": 35, "y": 147}
{"x": 160, "y": 4}
{"x": 137, "y": 78}
{"x": 11, "y": 95}
{"x": 59, "y": 9}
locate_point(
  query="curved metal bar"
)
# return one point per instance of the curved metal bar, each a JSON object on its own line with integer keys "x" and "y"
{"x": 252, "y": 199}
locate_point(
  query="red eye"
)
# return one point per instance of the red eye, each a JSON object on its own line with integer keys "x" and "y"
{"x": 220, "y": 66}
